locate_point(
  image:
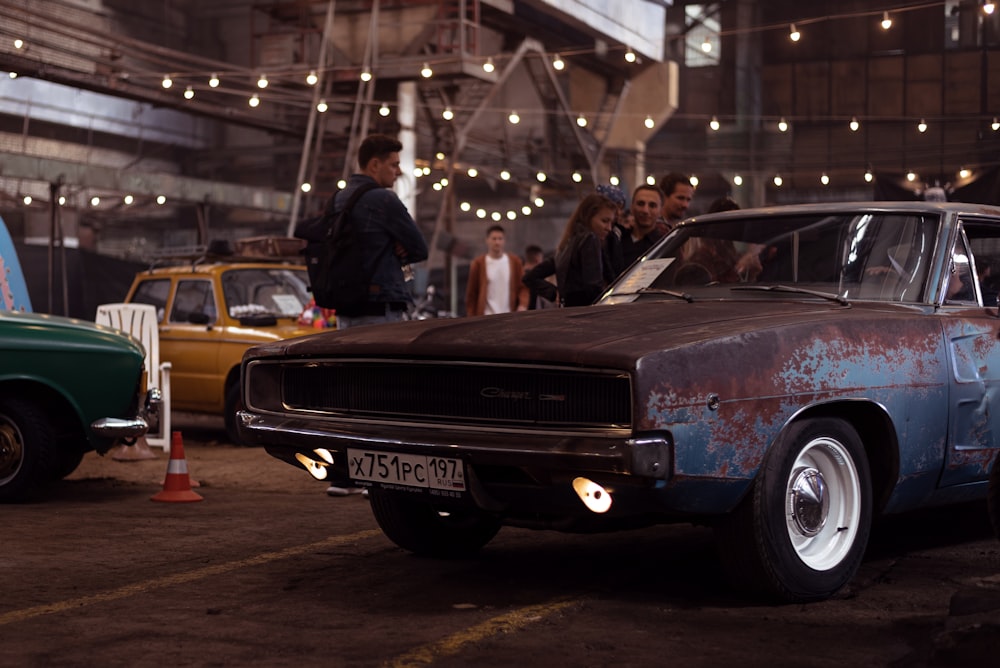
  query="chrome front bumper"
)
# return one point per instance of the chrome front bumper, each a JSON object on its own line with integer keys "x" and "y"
{"x": 130, "y": 428}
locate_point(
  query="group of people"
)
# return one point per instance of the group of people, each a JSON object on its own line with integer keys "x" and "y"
{"x": 600, "y": 239}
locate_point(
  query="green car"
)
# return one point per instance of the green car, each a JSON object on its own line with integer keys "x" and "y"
{"x": 66, "y": 387}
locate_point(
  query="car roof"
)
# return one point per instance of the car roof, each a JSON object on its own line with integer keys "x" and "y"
{"x": 830, "y": 208}
{"x": 213, "y": 268}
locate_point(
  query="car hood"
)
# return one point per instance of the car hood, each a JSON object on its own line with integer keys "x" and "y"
{"x": 594, "y": 335}
{"x": 36, "y": 331}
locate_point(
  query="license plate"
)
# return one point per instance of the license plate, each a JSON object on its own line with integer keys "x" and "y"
{"x": 435, "y": 473}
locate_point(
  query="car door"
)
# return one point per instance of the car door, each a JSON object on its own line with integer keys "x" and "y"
{"x": 973, "y": 335}
{"x": 192, "y": 335}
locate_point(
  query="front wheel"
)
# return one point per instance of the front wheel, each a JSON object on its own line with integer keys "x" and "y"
{"x": 801, "y": 533}
{"x": 416, "y": 524}
{"x": 27, "y": 440}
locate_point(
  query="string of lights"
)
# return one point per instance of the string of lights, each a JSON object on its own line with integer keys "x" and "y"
{"x": 292, "y": 85}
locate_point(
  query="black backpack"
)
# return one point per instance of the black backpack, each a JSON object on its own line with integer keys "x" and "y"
{"x": 334, "y": 259}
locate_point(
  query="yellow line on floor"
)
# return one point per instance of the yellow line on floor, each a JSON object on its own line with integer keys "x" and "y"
{"x": 453, "y": 644}
{"x": 180, "y": 578}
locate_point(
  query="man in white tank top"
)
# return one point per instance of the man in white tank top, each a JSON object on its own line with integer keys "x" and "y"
{"x": 495, "y": 279}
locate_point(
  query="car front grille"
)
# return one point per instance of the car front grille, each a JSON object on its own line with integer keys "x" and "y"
{"x": 471, "y": 394}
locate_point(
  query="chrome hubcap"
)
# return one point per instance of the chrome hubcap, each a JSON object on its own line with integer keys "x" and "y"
{"x": 809, "y": 502}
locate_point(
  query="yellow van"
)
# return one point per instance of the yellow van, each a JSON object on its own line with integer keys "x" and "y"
{"x": 210, "y": 309}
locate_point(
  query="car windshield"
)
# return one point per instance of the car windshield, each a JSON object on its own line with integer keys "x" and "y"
{"x": 866, "y": 256}
{"x": 280, "y": 292}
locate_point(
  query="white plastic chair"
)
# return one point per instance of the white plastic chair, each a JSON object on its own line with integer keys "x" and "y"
{"x": 139, "y": 320}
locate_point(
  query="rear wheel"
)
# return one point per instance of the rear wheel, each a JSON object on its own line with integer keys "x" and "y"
{"x": 26, "y": 441}
{"x": 801, "y": 533}
{"x": 418, "y": 525}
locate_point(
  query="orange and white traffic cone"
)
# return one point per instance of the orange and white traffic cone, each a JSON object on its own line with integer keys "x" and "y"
{"x": 177, "y": 485}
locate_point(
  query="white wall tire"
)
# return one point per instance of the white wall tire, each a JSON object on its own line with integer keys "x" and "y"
{"x": 801, "y": 533}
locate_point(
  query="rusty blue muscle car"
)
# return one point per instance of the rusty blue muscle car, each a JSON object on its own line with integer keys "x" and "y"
{"x": 781, "y": 374}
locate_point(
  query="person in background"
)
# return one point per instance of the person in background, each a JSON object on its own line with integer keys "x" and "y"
{"x": 723, "y": 204}
{"x": 677, "y": 195}
{"x": 495, "y": 279}
{"x": 534, "y": 256}
{"x": 581, "y": 265}
{"x": 613, "y": 243}
{"x": 647, "y": 202}
{"x": 389, "y": 239}
{"x": 389, "y": 236}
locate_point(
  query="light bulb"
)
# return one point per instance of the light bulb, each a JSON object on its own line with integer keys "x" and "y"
{"x": 488, "y": 66}
{"x": 366, "y": 76}
{"x": 447, "y": 114}
{"x": 793, "y": 33}
{"x": 558, "y": 63}
{"x": 630, "y": 56}
{"x": 426, "y": 71}
{"x": 886, "y": 21}
{"x": 649, "y": 123}
{"x": 783, "y": 125}
{"x": 581, "y": 121}
{"x": 322, "y": 106}
{"x": 383, "y": 110}
{"x": 854, "y": 124}
{"x": 714, "y": 124}
{"x": 254, "y": 101}
{"x": 778, "y": 180}
{"x": 167, "y": 81}
{"x": 922, "y": 126}
{"x": 311, "y": 78}
{"x": 824, "y": 179}
{"x": 188, "y": 93}
{"x": 514, "y": 118}
{"x": 262, "y": 82}
{"x": 213, "y": 81}
{"x": 737, "y": 180}
{"x": 706, "y": 46}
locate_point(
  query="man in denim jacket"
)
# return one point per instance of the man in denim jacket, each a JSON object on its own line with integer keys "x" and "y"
{"x": 389, "y": 237}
